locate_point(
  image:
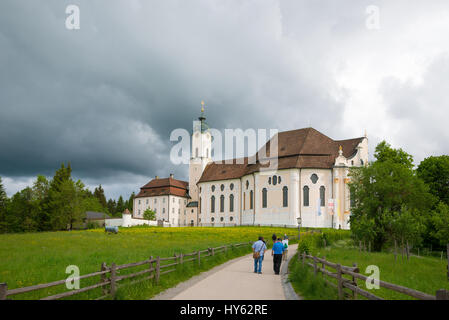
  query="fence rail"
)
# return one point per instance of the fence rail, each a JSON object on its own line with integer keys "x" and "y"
{"x": 110, "y": 278}
{"x": 319, "y": 265}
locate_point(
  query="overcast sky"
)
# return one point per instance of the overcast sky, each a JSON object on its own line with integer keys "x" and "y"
{"x": 107, "y": 96}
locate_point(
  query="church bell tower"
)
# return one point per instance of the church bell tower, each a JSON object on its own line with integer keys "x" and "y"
{"x": 200, "y": 152}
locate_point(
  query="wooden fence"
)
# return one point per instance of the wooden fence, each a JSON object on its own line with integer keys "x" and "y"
{"x": 110, "y": 277}
{"x": 320, "y": 264}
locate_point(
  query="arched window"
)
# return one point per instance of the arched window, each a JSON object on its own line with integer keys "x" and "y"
{"x": 212, "y": 204}
{"x": 322, "y": 196}
{"x": 247, "y": 184}
{"x": 264, "y": 197}
{"x": 231, "y": 186}
{"x": 285, "y": 196}
{"x": 314, "y": 178}
{"x": 222, "y": 187}
{"x": 251, "y": 199}
{"x": 221, "y": 203}
{"x": 213, "y": 188}
{"x": 306, "y": 196}
{"x": 244, "y": 201}
{"x": 201, "y": 206}
{"x": 231, "y": 203}
{"x": 275, "y": 180}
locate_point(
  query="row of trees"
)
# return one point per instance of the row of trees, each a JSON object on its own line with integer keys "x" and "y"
{"x": 56, "y": 204}
{"x": 396, "y": 204}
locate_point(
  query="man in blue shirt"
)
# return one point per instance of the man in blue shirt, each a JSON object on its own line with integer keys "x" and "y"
{"x": 276, "y": 252}
{"x": 259, "y": 248}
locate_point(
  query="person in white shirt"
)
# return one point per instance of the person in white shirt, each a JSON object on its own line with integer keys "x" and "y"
{"x": 285, "y": 243}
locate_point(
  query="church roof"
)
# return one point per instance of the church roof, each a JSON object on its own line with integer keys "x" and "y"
{"x": 301, "y": 148}
{"x": 164, "y": 186}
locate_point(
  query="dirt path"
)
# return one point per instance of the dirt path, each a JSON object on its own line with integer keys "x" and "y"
{"x": 234, "y": 280}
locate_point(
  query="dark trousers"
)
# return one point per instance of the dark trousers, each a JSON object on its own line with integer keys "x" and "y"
{"x": 277, "y": 260}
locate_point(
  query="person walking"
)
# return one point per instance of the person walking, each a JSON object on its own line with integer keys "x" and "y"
{"x": 276, "y": 252}
{"x": 274, "y": 238}
{"x": 259, "y": 248}
{"x": 285, "y": 244}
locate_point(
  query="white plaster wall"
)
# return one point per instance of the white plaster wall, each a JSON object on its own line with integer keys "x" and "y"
{"x": 160, "y": 204}
{"x": 309, "y": 214}
{"x": 206, "y": 194}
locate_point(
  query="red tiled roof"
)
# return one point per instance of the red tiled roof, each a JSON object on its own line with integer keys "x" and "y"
{"x": 164, "y": 186}
{"x": 302, "y": 148}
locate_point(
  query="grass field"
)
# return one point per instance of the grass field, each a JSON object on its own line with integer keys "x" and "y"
{"x": 426, "y": 274}
{"x": 34, "y": 258}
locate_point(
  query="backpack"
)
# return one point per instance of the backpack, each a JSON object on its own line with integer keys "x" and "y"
{"x": 285, "y": 245}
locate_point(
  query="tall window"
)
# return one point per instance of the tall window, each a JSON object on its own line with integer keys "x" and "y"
{"x": 264, "y": 197}
{"x": 244, "y": 201}
{"x": 212, "y": 204}
{"x": 201, "y": 207}
{"x": 251, "y": 199}
{"x": 196, "y": 153}
{"x": 285, "y": 196}
{"x": 231, "y": 203}
{"x": 221, "y": 203}
{"x": 323, "y": 196}
{"x": 306, "y": 196}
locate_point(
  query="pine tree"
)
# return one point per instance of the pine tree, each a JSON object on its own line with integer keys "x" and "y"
{"x": 3, "y": 206}
{"x": 120, "y": 205}
{"x": 131, "y": 202}
{"x": 99, "y": 194}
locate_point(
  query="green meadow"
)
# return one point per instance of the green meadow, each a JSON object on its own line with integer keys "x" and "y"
{"x": 33, "y": 258}
{"x": 422, "y": 273}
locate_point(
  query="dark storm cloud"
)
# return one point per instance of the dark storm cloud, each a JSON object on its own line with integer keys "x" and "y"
{"x": 106, "y": 97}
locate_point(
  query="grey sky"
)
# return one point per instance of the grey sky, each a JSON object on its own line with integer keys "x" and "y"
{"x": 107, "y": 96}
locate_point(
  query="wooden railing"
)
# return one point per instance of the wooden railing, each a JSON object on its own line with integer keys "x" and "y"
{"x": 110, "y": 274}
{"x": 319, "y": 265}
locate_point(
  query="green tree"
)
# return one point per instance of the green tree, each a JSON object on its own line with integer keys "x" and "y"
{"x": 440, "y": 219}
{"x": 22, "y": 212}
{"x": 120, "y": 205}
{"x": 384, "y": 152}
{"x": 386, "y": 186}
{"x": 3, "y": 208}
{"x": 131, "y": 202}
{"x": 112, "y": 207}
{"x": 435, "y": 173}
{"x": 149, "y": 214}
{"x": 99, "y": 194}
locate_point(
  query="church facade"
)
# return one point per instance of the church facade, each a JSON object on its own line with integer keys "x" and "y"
{"x": 310, "y": 183}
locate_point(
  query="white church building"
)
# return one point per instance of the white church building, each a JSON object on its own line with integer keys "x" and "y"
{"x": 310, "y": 183}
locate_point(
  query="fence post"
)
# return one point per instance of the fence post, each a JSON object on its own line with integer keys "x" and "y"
{"x": 442, "y": 294}
{"x": 340, "y": 282}
{"x": 213, "y": 251}
{"x": 199, "y": 258}
{"x": 323, "y": 265}
{"x": 181, "y": 258}
{"x": 113, "y": 283}
{"x": 104, "y": 278}
{"x": 176, "y": 258}
{"x": 158, "y": 269}
{"x": 447, "y": 261}
{"x": 315, "y": 269}
{"x": 3, "y": 291}
{"x": 150, "y": 264}
{"x": 354, "y": 281}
